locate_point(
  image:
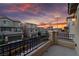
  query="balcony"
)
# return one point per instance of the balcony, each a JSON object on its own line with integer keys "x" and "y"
{"x": 54, "y": 44}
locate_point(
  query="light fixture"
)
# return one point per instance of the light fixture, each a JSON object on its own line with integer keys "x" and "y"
{"x": 73, "y": 19}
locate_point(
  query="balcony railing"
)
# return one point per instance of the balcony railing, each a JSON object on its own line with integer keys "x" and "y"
{"x": 22, "y": 47}
{"x": 63, "y": 36}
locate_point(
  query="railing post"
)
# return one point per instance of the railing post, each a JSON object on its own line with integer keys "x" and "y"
{"x": 55, "y": 35}
{"x": 51, "y": 37}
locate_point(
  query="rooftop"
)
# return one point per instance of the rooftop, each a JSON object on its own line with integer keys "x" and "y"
{"x": 5, "y": 17}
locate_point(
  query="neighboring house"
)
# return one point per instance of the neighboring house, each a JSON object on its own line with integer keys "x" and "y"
{"x": 30, "y": 30}
{"x": 50, "y": 28}
{"x": 10, "y": 30}
{"x": 43, "y": 31}
{"x": 57, "y": 29}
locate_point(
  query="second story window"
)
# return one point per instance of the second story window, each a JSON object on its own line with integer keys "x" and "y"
{"x": 4, "y": 22}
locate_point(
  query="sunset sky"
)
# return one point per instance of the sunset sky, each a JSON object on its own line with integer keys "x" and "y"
{"x": 35, "y": 13}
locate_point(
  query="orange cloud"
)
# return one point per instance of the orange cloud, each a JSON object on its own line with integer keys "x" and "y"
{"x": 56, "y": 25}
{"x": 42, "y": 23}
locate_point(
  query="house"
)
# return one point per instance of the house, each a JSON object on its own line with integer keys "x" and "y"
{"x": 73, "y": 19}
{"x": 10, "y": 30}
{"x": 43, "y": 31}
{"x": 50, "y": 28}
{"x": 30, "y": 30}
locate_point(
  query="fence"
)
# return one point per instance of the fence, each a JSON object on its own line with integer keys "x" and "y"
{"x": 63, "y": 35}
{"x": 22, "y": 47}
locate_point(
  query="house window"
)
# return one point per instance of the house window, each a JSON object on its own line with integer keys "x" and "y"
{"x": 5, "y": 29}
{"x": 18, "y": 29}
{"x": 15, "y": 29}
{"x": 4, "y": 22}
{"x": 1, "y": 37}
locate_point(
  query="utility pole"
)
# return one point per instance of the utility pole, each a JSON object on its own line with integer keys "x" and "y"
{"x": 57, "y": 21}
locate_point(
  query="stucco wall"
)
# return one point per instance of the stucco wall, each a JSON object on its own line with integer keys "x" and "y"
{"x": 76, "y": 30}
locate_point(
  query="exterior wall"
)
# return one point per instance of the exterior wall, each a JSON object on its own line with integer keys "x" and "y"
{"x": 9, "y": 29}
{"x": 77, "y": 30}
{"x": 7, "y": 23}
{"x": 71, "y": 26}
{"x": 30, "y": 30}
{"x": 42, "y": 30}
{"x": 74, "y": 29}
{"x": 29, "y": 25}
{"x": 17, "y": 24}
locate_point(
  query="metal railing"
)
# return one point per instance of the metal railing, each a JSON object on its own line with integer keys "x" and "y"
{"x": 63, "y": 35}
{"x": 22, "y": 47}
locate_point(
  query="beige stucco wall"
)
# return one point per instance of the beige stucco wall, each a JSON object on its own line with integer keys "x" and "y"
{"x": 76, "y": 30}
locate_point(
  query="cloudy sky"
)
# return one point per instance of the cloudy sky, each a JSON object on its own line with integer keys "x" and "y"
{"x": 35, "y": 13}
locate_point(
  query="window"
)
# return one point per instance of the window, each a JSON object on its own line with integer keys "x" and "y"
{"x": 1, "y": 40}
{"x": 4, "y": 22}
{"x": 1, "y": 37}
{"x": 18, "y": 29}
{"x": 5, "y": 29}
{"x": 15, "y": 29}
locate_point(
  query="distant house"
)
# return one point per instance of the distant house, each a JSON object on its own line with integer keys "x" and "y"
{"x": 57, "y": 29}
{"x": 43, "y": 31}
{"x": 30, "y": 30}
{"x": 50, "y": 28}
{"x": 10, "y": 30}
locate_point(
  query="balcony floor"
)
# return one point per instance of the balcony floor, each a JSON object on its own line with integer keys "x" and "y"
{"x": 60, "y": 51}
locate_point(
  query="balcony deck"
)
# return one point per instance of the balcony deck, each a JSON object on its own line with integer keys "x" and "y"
{"x": 57, "y": 50}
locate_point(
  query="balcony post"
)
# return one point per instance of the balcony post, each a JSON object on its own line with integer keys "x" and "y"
{"x": 51, "y": 36}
